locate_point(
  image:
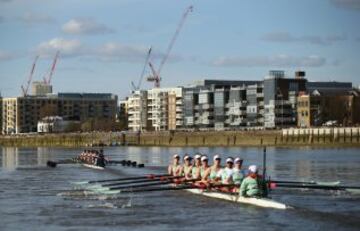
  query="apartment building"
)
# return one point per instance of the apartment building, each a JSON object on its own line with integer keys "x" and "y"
{"x": 322, "y": 107}
{"x": 228, "y": 104}
{"x": 157, "y": 109}
{"x": 137, "y": 111}
{"x": 22, "y": 114}
{"x": 158, "y": 106}
{"x": 236, "y": 108}
{"x": 175, "y": 109}
{"x": 280, "y": 96}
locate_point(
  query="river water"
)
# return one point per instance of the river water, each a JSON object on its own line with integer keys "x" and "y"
{"x": 35, "y": 197}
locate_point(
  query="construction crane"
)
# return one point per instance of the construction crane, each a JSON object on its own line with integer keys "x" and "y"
{"x": 137, "y": 87}
{"x": 156, "y": 74}
{"x": 47, "y": 80}
{"x": 25, "y": 89}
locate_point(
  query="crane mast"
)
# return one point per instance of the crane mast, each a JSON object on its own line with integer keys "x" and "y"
{"x": 137, "y": 87}
{"x": 25, "y": 89}
{"x": 156, "y": 74}
{"x": 49, "y": 78}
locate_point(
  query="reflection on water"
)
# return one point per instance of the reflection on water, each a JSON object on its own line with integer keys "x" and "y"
{"x": 333, "y": 164}
{"x": 12, "y": 157}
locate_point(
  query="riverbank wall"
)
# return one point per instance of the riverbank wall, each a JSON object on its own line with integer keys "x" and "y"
{"x": 322, "y": 137}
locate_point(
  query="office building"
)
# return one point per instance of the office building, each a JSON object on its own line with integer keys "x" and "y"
{"x": 22, "y": 114}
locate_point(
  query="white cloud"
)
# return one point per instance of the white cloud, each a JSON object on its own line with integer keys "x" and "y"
{"x": 110, "y": 51}
{"x": 72, "y": 47}
{"x": 347, "y": 4}
{"x": 85, "y": 26}
{"x": 5, "y": 56}
{"x": 121, "y": 52}
{"x": 285, "y": 37}
{"x": 272, "y": 61}
{"x": 31, "y": 17}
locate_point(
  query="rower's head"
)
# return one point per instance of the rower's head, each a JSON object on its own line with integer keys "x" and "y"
{"x": 217, "y": 160}
{"x": 197, "y": 158}
{"x": 204, "y": 161}
{"x": 253, "y": 170}
{"x": 187, "y": 160}
{"x": 176, "y": 158}
{"x": 229, "y": 162}
{"x": 238, "y": 162}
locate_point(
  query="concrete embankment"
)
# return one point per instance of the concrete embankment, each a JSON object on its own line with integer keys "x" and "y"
{"x": 322, "y": 137}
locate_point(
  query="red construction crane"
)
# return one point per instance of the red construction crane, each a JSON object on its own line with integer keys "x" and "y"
{"x": 49, "y": 77}
{"x": 156, "y": 75}
{"x": 25, "y": 89}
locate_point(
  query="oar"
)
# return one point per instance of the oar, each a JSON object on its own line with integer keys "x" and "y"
{"x": 330, "y": 183}
{"x": 141, "y": 181}
{"x": 150, "y": 176}
{"x": 148, "y": 184}
{"x": 127, "y": 163}
{"x": 141, "y": 185}
{"x": 325, "y": 187}
{"x": 160, "y": 189}
{"x": 53, "y": 164}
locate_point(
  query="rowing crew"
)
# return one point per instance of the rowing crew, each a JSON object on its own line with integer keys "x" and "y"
{"x": 231, "y": 178}
{"x": 93, "y": 157}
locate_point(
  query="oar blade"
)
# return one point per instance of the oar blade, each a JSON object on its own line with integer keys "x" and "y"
{"x": 51, "y": 164}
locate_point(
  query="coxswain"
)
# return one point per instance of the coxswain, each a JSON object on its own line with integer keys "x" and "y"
{"x": 100, "y": 160}
{"x": 195, "y": 170}
{"x": 174, "y": 169}
{"x": 253, "y": 185}
{"x": 212, "y": 172}
{"x": 186, "y": 170}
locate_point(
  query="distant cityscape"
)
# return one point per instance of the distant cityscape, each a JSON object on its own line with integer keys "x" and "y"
{"x": 277, "y": 101}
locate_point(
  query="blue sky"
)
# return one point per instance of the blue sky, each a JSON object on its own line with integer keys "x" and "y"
{"x": 103, "y": 44}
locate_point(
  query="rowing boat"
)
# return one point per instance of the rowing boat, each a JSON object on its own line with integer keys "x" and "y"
{"x": 93, "y": 166}
{"x": 261, "y": 202}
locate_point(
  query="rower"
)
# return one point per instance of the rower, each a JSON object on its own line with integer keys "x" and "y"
{"x": 100, "y": 160}
{"x": 174, "y": 169}
{"x": 186, "y": 169}
{"x": 225, "y": 175}
{"x": 253, "y": 185}
{"x": 195, "y": 170}
{"x": 204, "y": 167}
{"x": 238, "y": 173}
{"x": 212, "y": 172}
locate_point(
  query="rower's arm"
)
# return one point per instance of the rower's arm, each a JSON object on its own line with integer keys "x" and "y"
{"x": 243, "y": 187}
{"x": 170, "y": 170}
{"x": 206, "y": 174}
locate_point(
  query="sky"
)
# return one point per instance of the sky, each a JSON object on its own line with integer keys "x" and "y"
{"x": 103, "y": 44}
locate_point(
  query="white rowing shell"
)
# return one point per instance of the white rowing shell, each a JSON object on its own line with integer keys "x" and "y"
{"x": 261, "y": 202}
{"x": 93, "y": 166}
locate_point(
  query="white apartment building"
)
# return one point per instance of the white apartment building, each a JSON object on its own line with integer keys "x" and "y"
{"x": 137, "y": 110}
